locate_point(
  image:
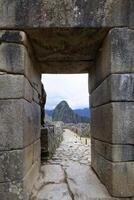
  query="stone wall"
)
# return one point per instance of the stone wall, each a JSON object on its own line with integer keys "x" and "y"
{"x": 19, "y": 117}
{"x": 82, "y": 129}
{"x": 51, "y": 137}
{"x": 111, "y": 84}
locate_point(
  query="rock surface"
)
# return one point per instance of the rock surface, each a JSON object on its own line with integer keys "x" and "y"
{"x": 68, "y": 175}
{"x": 69, "y": 13}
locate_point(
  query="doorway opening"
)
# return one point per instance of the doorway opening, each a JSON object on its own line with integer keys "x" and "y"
{"x": 66, "y": 140}
{"x": 67, "y": 105}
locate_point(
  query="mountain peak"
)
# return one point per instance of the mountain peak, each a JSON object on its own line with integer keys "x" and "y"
{"x": 64, "y": 113}
{"x": 63, "y": 103}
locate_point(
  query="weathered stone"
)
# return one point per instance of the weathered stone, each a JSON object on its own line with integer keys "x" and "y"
{"x": 83, "y": 183}
{"x": 81, "y": 180}
{"x": 54, "y": 191}
{"x": 34, "y": 76}
{"x": 36, "y": 120}
{"x": 14, "y": 58}
{"x": 20, "y": 120}
{"x": 51, "y": 137}
{"x": 53, "y": 174}
{"x": 37, "y": 151}
{"x": 44, "y": 13}
{"x": 13, "y": 36}
{"x": 12, "y": 190}
{"x": 15, "y": 86}
{"x": 30, "y": 179}
{"x": 66, "y": 67}
{"x": 115, "y": 56}
{"x": 117, "y": 87}
{"x": 113, "y": 152}
{"x": 35, "y": 96}
{"x": 113, "y": 123}
{"x": 21, "y": 189}
{"x": 118, "y": 177}
{"x": 15, "y": 164}
{"x": 19, "y": 123}
{"x": 70, "y": 50}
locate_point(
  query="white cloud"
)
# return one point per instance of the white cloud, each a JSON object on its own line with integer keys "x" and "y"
{"x": 72, "y": 88}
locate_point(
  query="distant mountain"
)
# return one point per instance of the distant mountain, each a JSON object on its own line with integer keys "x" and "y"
{"x": 48, "y": 118}
{"x": 64, "y": 113}
{"x": 49, "y": 112}
{"x": 85, "y": 112}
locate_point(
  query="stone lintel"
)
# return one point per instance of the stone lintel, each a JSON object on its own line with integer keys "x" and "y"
{"x": 65, "y": 67}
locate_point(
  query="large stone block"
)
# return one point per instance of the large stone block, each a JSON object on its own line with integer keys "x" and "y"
{"x": 115, "y": 56}
{"x": 15, "y": 164}
{"x": 51, "y": 137}
{"x": 19, "y": 123}
{"x": 12, "y": 191}
{"x": 36, "y": 96}
{"x": 15, "y": 58}
{"x": 115, "y": 153}
{"x": 118, "y": 177}
{"x": 21, "y": 189}
{"x": 15, "y": 86}
{"x": 117, "y": 87}
{"x": 113, "y": 123}
{"x": 44, "y": 14}
{"x": 13, "y": 36}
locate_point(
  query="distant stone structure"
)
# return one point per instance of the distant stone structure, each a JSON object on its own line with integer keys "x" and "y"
{"x": 51, "y": 137}
{"x": 41, "y": 36}
{"x": 82, "y": 129}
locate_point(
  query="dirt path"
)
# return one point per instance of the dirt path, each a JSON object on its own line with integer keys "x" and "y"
{"x": 68, "y": 175}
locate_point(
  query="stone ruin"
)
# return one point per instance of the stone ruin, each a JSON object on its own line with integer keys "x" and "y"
{"x": 81, "y": 129}
{"x": 72, "y": 36}
{"x": 51, "y": 137}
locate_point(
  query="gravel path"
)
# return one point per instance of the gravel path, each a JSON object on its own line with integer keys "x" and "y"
{"x": 68, "y": 175}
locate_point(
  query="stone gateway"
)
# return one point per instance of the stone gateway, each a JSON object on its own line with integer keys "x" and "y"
{"x": 66, "y": 36}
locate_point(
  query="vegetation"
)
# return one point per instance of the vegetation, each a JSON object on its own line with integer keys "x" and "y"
{"x": 64, "y": 113}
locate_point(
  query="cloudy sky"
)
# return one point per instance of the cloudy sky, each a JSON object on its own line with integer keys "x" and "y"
{"x": 71, "y": 88}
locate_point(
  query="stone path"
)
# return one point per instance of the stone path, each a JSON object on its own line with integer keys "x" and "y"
{"x": 68, "y": 175}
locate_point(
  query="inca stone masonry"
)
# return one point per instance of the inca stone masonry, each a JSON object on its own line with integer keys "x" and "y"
{"x": 66, "y": 36}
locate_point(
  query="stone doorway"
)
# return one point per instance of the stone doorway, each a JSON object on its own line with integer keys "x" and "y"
{"x": 107, "y": 55}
